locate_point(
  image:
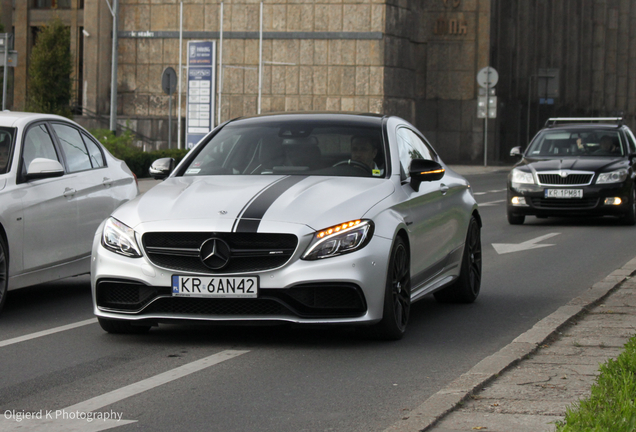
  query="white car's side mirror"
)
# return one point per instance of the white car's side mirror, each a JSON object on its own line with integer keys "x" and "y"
{"x": 40, "y": 168}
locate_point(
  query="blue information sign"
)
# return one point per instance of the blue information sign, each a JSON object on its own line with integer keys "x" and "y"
{"x": 201, "y": 84}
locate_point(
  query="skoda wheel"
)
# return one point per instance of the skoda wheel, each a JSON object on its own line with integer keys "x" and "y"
{"x": 397, "y": 296}
{"x": 630, "y": 216}
{"x": 466, "y": 288}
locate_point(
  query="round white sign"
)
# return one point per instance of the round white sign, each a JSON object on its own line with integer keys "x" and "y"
{"x": 487, "y": 77}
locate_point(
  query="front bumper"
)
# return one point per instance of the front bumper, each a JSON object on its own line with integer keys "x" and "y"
{"x": 591, "y": 204}
{"x": 347, "y": 289}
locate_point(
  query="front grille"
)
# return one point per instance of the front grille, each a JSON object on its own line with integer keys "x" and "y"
{"x": 250, "y": 252}
{"x": 313, "y": 300}
{"x": 569, "y": 204}
{"x": 572, "y": 179}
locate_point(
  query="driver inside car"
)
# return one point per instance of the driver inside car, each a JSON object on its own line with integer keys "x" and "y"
{"x": 364, "y": 150}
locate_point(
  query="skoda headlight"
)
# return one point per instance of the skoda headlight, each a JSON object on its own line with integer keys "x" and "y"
{"x": 519, "y": 176}
{"x": 120, "y": 238}
{"x": 340, "y": 239}
{"x": 617, "y": 176}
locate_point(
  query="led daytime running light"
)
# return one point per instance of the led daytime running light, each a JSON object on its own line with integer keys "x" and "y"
{"x": 433, "y": 172}
{"x": 337, "y": 228}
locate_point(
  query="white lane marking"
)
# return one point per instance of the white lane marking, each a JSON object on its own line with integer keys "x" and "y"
{"x": 503, "y": 248}
{"x": 491, "y": 203}
{"x": 155, "y": 381}
{"x": 480, "y": 193}
{"x": 73, "y": 418}
{"x": 47, "y": 332}
{"x": 497, "y": 190}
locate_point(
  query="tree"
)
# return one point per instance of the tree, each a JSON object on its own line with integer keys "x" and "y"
{"x": 50, "y": 85}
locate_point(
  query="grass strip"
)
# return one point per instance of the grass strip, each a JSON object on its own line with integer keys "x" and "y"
{"x": 611, "y": 405}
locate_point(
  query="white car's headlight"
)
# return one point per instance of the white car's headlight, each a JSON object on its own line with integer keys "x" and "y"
{"x": 120, "y": 238}
{"x": 617, "y": 176}
{"x": 519, "y": 176}
{"x": 340, "y": 239}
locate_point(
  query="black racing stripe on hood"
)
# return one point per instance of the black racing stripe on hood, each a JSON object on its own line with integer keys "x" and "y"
{"x": 251, "y": 217}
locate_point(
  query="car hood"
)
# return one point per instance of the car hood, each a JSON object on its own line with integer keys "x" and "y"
{"x": 309, "y": 200}
{"x": 575, "y": 164}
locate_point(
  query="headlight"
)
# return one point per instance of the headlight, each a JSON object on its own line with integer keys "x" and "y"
{"x": 519, "y": 176}
{"x": 340, "y": 239}
{"x": 120, "y": 239}
{"x": 617, "y": 176}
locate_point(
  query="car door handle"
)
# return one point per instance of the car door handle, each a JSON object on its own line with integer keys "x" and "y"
{"x": 107, "y": 182}
{"x": 69, "y": 192}
{"x": 443, "y": 188}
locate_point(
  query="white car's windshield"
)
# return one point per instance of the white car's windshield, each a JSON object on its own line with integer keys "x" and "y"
{"x": 579, "y": 143}
{"x": 314, "y": 147}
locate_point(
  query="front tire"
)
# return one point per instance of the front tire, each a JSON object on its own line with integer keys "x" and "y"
{"x": 121, "y": 326}
{"x": 515, "y": 219}
{"x": 4, "y": 272}
{"x": 397, "y": 295}
{"x": 466, "y": 288}
{"x": 630, "y": 217}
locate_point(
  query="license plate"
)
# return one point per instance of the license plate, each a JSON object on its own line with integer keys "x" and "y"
{"x": 215, "y": 286}
{"x": 564, "y": 193}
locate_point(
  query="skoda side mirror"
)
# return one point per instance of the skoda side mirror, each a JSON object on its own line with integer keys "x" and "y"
{"x": 161, "y": 168}
{"x": 423, "y": 170}
{"x": 516, "y": 151}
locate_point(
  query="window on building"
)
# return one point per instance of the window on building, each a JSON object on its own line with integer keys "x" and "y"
{"x": 50, "y": 4}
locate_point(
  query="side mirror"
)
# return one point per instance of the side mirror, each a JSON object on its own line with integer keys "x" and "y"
{"x": 41, "y": 168}
{"x": 631, "y": 157}
{"x": 161, "y": 168}
{"x": 516, "y": 151}
{"x": 423, "y": 170}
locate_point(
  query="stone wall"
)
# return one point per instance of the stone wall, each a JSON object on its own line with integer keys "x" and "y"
{"x": 325, "y": 73}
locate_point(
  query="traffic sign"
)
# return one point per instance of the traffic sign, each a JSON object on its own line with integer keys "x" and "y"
{"x": 487, "y": 77}
{"x": 169, "y": 81}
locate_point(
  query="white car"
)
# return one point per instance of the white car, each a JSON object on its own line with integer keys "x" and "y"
{"x": 303, "y": 218}
{"x": 57, "y": 184}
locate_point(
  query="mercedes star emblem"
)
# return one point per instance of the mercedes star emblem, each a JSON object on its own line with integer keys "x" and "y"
{"x": 215, "y": 253}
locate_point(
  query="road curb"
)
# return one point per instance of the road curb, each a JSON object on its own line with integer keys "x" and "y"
{"x": 446, "y": 400}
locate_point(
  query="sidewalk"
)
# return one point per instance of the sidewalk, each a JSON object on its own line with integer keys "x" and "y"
{"x": 527, "y": 385}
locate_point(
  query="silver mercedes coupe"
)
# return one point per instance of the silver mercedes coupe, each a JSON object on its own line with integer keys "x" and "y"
{"x": 308, "y": 218}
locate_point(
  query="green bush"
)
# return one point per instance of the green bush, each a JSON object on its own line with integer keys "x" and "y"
{"x": 50, "y": 68}
{"x": 137, "y": 160}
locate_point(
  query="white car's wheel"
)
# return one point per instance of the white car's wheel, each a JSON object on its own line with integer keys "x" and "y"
{"x": 466, "y": 288}
{"x": 397, "y": 296}
{"x": 4, "y": 271}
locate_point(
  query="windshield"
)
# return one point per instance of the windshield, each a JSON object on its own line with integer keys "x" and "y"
{"x": 578, "y": 142}
{"x": 6, "y": 140}
{"x": 308, "y": 147}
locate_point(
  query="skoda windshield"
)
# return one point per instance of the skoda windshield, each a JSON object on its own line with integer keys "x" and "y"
{"x": 579, "y": 143}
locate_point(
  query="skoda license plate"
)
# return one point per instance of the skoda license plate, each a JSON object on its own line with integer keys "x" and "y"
{"x": 564, "y": 193}
{"x": 215, "y": 286}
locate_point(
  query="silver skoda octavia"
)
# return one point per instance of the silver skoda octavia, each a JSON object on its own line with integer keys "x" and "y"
{"x": 303, "y": 218}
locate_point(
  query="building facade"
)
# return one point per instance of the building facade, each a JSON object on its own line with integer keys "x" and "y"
{"x": 414, "y": 58}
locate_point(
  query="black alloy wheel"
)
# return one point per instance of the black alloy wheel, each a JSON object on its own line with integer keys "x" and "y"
{"x": 467, "y": 286}
{"x": 397, "y": 297}
{"x": 4, "y": 271}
